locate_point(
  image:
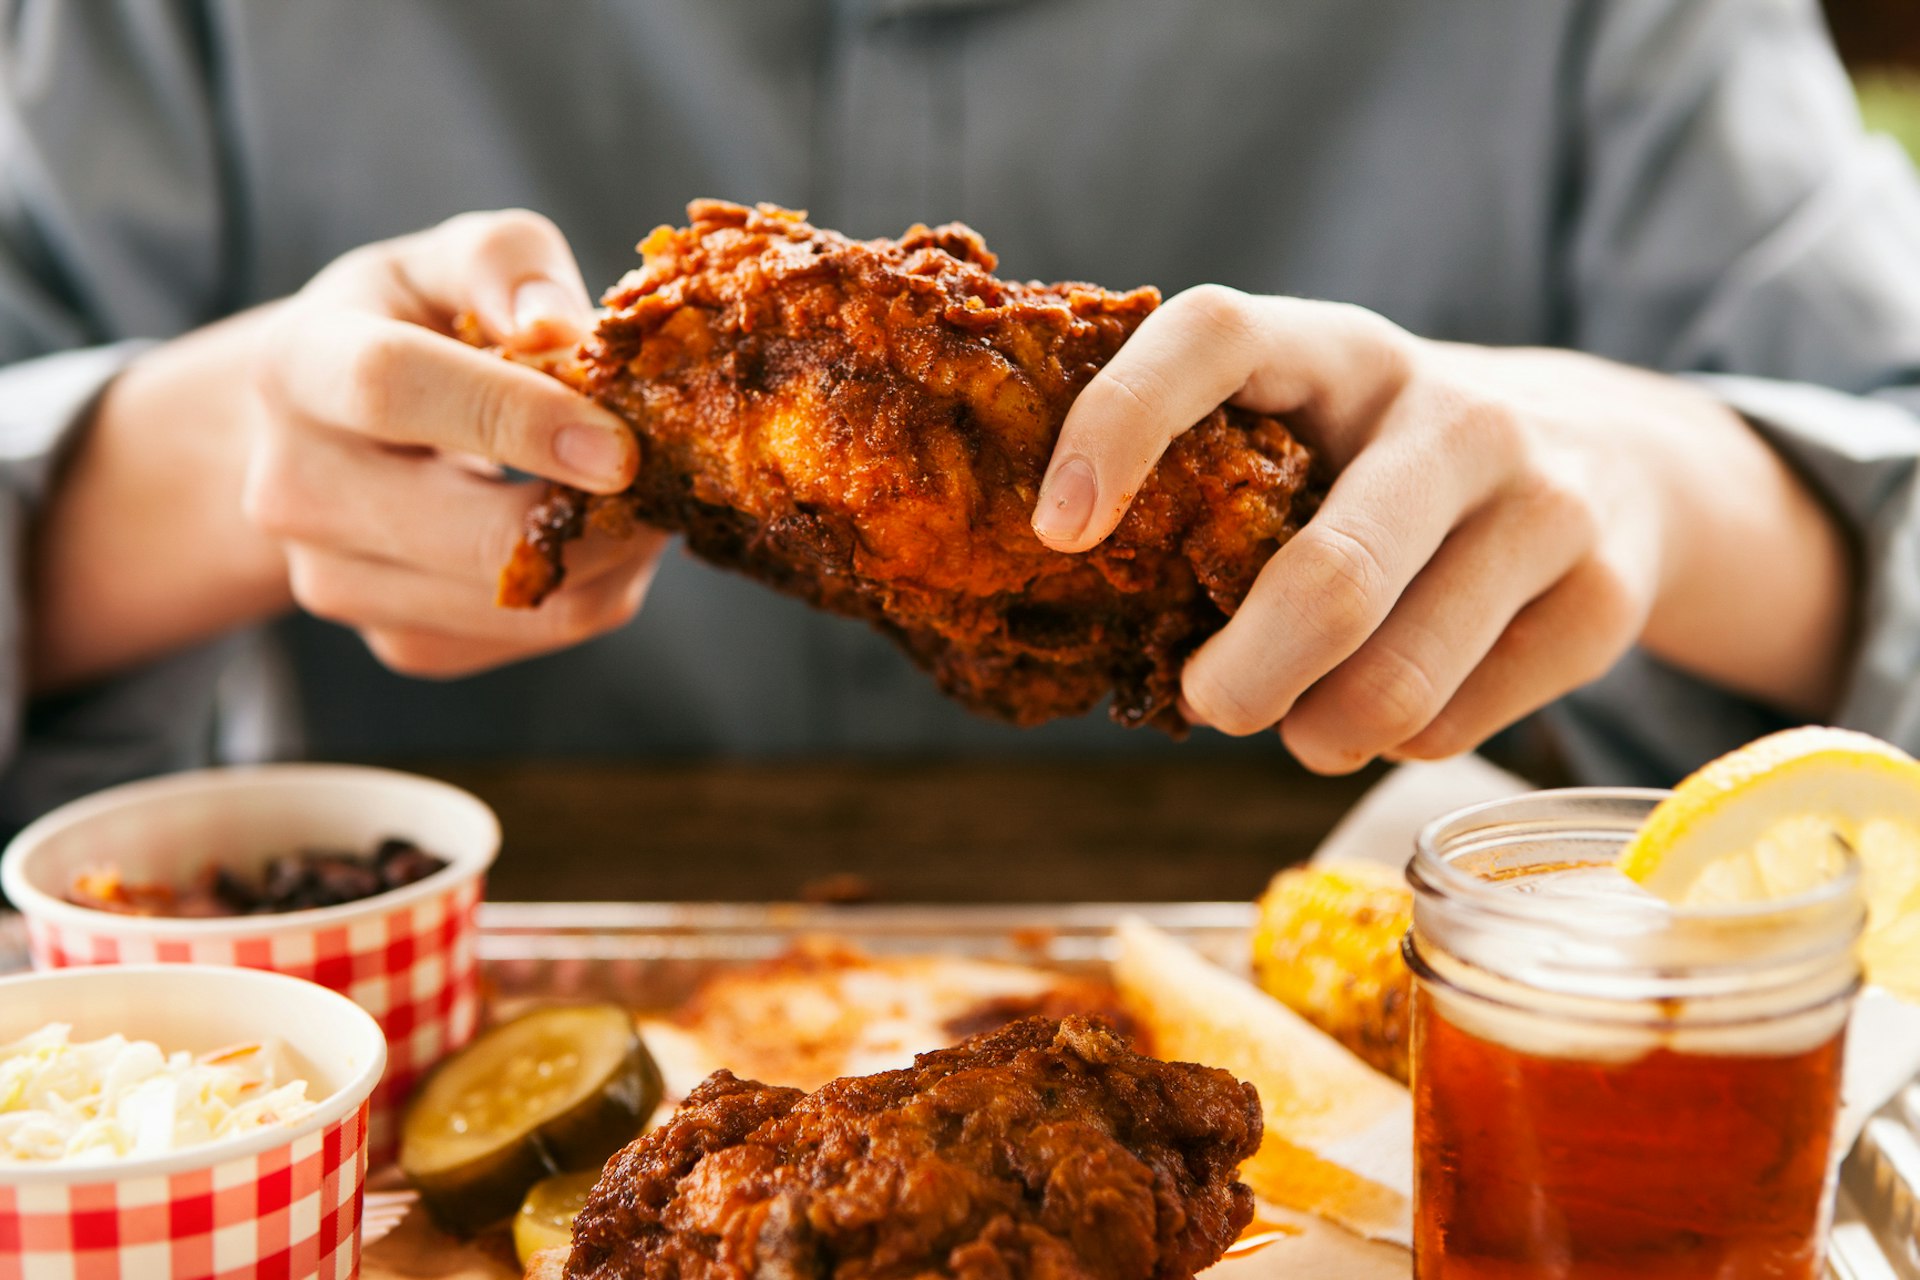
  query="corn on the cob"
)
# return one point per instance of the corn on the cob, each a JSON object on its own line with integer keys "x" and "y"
{"x": 1327, "y": 946}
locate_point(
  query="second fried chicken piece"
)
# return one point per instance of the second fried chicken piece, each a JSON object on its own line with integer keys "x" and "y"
{"x": 1042, "y": 1151}
{"x": 865, "y": 424}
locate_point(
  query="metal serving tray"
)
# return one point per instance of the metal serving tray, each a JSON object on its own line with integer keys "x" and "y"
{"x": 1876, "y": 1230}
{"x": 652, "y": 955}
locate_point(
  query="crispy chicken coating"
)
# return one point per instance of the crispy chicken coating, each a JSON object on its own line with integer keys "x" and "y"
{"x": 865, "y": 424}
{"x": 1046, "y": 1149}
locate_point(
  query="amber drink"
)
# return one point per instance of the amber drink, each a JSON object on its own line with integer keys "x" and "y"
{"x": 1606, "y": 1086}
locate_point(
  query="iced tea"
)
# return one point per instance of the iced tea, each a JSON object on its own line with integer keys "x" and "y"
{"x": 1667, "y": 1164}
{"x": 1607, "y": 1087}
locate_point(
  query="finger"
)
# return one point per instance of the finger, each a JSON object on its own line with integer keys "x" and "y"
{"x": 1328, "y": 588}
{"x": 429, "y": 512}
{"x": 1569, "y": 637}
{"x": 425, "y": 653}
{"x": 1205, "y": 346}
{"x": 434, "y": 655}
{"x": 510, "y": 269}
{"x": 1443, "y": 627}
{"x": 371, "y": 595}
{"x": 402, "y": 384}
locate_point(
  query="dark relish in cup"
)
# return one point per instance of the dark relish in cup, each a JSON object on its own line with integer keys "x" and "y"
{"x": 290, "y": 882}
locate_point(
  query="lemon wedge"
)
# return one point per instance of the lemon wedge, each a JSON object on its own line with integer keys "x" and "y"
{"x": 1777, "y": 817}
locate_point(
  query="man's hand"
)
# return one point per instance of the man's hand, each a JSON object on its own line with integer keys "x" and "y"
{"x": 364, "y": 463}
{"x": 1502, "y": 526}
{"x": 346, "y": 455}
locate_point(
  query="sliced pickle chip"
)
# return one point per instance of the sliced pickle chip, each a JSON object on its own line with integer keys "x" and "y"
{"x": 552, "y": 1091}
{"x": 545, "y": 1220}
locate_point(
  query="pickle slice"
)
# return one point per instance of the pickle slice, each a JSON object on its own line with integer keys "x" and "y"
{"x": 545, "y": 1220}
{"x": 552, "y": 1091}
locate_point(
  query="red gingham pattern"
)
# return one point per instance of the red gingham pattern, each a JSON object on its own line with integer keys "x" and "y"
{"x": 291, "y": 1213}
{"x": 412, "y": 968}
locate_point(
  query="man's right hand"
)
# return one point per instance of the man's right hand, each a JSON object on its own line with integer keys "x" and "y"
{"x": 353, "y": 446}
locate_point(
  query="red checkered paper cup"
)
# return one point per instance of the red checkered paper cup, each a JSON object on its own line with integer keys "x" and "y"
{"x": 282, "y": 1202}
{"x": 405, "y": 956}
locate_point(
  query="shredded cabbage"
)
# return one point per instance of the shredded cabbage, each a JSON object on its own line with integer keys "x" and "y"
{"x": 116, "y": 1098}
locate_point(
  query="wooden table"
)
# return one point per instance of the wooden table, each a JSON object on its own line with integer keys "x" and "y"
{"x": 1025, "y": 831}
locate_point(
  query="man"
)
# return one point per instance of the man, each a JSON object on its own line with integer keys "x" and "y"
{"x": 1672, "y": 185}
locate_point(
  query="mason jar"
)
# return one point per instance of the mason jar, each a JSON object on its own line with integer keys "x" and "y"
{"x": 1608, "y": 1086}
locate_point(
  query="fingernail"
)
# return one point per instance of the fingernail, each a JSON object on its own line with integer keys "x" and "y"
{"x": 1066, "y": 502}
{"x": 595, "y": 455}
{"x": 542, "y": 308}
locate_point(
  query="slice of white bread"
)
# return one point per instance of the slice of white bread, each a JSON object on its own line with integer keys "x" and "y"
{"x": 1339, "y": 1135}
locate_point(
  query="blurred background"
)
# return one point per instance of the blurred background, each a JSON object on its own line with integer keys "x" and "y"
{"x": 1183, "y": 828}
{"x": 1880, "y": 39}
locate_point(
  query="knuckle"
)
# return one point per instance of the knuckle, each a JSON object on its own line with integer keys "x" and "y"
{"x": 1132, "y": 392}
{"x": 1525, "y": 634}
{"x": 579, "y": 616}
{"x": 280, "y": 341}
{"x": 1557, "y": 503}
{"x": 359, "y": 263}
{"x": 320, "y": 589}
{"x": 1611, "y": 610}
{"x": 406, "y": 654}
{"x": 504, "y": 232}
{"x": 1394, "y": 355}
{"x": 1391, "y": 695}
{"x": 1345, "y": 582}
{"x": 574, "y": 619}
{"x": 1212, "y": 304}
{"x": 497, "y": 423}
{"x": 1216, "y": 308}
{"x": 373, "y": 256}
{"x": 1223, "y": 705}
{"x": 1472, "y": 424}
{"x": 373, "y": 369}
{"x": 429, "y": 656}
{"x": 1306, "y": 744}
{"x": 1614, "y": 604}
{"x": 272, "y": 499}
{"x": 1444, "y": 737}
{"x": 1496, "y": 424}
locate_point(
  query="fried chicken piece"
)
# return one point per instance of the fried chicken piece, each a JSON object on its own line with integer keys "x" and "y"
{"x": 1045, "y": 1149}
{"x": 864, "y": 424}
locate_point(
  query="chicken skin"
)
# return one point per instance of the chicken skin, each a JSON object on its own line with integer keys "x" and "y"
{"x": 865, "y": 424}
{"x": 1046, "y": 1149}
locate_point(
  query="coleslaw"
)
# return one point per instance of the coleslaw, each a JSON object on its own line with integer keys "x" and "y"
{"x": 116, "y": 1099}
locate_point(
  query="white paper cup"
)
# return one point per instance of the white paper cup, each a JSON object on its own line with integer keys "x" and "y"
{"x": 281, "y": 1202}
{"x": 405, "y": 956}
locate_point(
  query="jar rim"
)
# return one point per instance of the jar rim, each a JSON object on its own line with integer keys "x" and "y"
{"x": 1430, "y": 870}
{"x": 1592, "y": 1011}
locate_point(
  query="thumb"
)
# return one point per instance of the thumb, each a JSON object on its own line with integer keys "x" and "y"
{"x": 1181, "y": 362}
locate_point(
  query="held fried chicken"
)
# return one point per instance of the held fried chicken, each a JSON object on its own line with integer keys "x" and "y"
{"x": 864, "y": 424}
{"x": 1046, "y": 1149}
